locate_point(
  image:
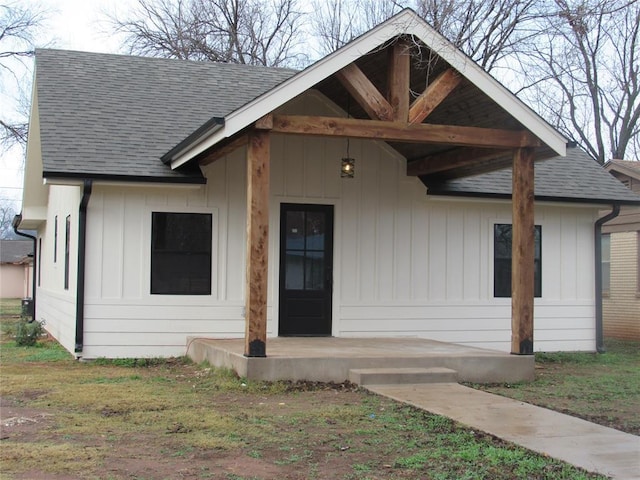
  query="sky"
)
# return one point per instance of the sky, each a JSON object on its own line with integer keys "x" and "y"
{"x": 70, "y": 25}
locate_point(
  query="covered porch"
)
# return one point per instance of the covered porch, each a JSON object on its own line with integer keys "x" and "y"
{"x": 446, "y": 119}
{"x": 331, "y": 359}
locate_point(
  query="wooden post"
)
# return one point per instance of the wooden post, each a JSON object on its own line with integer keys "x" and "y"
{"x": 522, "y": 253}
{"x": 258, "y": 159}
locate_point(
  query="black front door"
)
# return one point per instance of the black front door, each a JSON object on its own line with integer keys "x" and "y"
{"x": 306, "y": 269}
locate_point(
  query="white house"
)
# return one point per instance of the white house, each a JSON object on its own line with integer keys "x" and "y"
{"x": 175, "y": 199}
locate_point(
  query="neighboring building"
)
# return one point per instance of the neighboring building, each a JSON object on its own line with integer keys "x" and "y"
{"x": 184, "y": 199}
{"x": 621, "y": 260}
{"x": 16, "y": 268}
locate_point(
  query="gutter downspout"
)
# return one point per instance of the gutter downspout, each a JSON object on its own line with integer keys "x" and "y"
{"x": 598, "y": 258}
{"x": 16, "y": 223}
{"x": 82, "y": 237}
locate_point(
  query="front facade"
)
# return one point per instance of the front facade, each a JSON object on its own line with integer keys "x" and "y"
{"x": 621, "y": 289}
{"x": 260, "y": 234}
{"x": 404, "y": 263}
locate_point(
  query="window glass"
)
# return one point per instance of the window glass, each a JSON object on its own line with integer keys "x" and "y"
{"x": 181, "y": 253}
{"x": 55, "y": 239}
{"x": 67, "y": 240}
{"x": 502, "y": 234}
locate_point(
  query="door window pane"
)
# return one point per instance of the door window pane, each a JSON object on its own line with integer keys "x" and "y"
{"x": 315, "y": 231}
{"x": 314, "y": 271}
{"x": 295, "y": 230}
{"x": 294, "y": 266}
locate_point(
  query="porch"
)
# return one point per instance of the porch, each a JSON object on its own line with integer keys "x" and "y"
{"x": 330, "y": 359}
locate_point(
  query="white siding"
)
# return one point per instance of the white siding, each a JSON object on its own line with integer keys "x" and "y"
{"x": 405, "y": 264}
{"x": 55, "y": 305}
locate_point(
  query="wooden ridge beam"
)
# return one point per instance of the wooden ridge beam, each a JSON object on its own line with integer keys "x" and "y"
{"x": 460, "y": 157}
{"x": 365, "y": 92}
{"x": 399, "y": 76}
{"x": 434, "y": 95}
{"x": 393, "y": 131}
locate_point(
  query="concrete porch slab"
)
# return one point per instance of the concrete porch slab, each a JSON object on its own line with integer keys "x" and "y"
{"x": 329, "y": 359}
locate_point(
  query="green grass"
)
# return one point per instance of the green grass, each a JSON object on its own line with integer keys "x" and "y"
{"x": 168, "y": 415}
{"x": 603, "y": 388}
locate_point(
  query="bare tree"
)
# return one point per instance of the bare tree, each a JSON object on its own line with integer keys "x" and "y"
{"x": 256, "y": 32}
{"x": 336, "y": 22}
{"x": 7, "y": 212}
{"x": 487, "y": 30}
{"x": 588, "y": 65}
{"x": 18, "y": 27}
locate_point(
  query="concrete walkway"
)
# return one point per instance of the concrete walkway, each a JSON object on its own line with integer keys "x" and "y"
{"x": 593, "y": 447}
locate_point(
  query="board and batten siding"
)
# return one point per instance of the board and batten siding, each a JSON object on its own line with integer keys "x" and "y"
{"x": 405, "y": 263}
{"x": 56, "y": 306}
{"x": 621, "y": 308}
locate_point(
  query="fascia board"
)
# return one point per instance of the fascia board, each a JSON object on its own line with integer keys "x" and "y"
{"x": 406, "y": 22}
{"x": 491, "y": 87}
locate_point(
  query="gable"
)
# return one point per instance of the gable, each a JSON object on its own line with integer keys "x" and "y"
{"x": 478, "y": 101}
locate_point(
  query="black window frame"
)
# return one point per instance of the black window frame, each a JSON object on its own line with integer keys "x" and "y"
{"x": 502, "y": 264}
{"x": 67, "y": 250}
{"x": 39, "y": 260}
{"x": 181, "y": 261}
{"x": 55, "y": 239}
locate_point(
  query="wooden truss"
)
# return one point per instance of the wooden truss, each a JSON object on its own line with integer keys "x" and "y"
{"x": 392, "y": 118}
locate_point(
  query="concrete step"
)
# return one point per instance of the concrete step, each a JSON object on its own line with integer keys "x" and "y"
{"x": 397, "y": 376}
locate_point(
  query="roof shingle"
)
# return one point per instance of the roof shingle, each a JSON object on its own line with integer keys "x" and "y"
{"x": 574, "y": 178}
{"x": 115, "y": 115}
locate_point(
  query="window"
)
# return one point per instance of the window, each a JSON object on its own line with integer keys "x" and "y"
{"x": 502, "y": 261}
{"x": 67, "y": 240}
{"x": 181, "y": 253}
{"x": 606, "y": 263}
{"x": 55, "y": 239}
{"x": 39, "y": 260}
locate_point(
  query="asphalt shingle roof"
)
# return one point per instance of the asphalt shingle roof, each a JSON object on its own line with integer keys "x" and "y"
{"x": 14, "y": 251}
{"x": 116, "y": 115}
{"x": 574, "y": 178}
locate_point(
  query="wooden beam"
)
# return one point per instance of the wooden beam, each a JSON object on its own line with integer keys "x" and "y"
{"x": 265, "y": 123}
{"x": 434, "y": 95}
{"x": 365, "y": 92}
{"x": 258, "y": 159}
{"x": 460, "y": 157}
{"x": 392, "y": 131}
{"x": 399, "y": 74}
{"x": 522, "y": 253}
{"x": 224, "y": 150}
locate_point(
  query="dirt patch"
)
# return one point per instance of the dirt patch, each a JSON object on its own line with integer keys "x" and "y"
{"x": 22, "y": 423}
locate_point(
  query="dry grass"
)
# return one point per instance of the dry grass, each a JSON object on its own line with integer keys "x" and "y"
{"x": 170, "y": 419}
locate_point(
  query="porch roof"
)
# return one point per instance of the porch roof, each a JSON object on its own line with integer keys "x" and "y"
{"x": 574, "y": 178}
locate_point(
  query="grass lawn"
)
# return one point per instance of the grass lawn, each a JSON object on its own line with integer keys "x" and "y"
{"x": 171, "y": 419}
{"x": 602, "y": 388}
